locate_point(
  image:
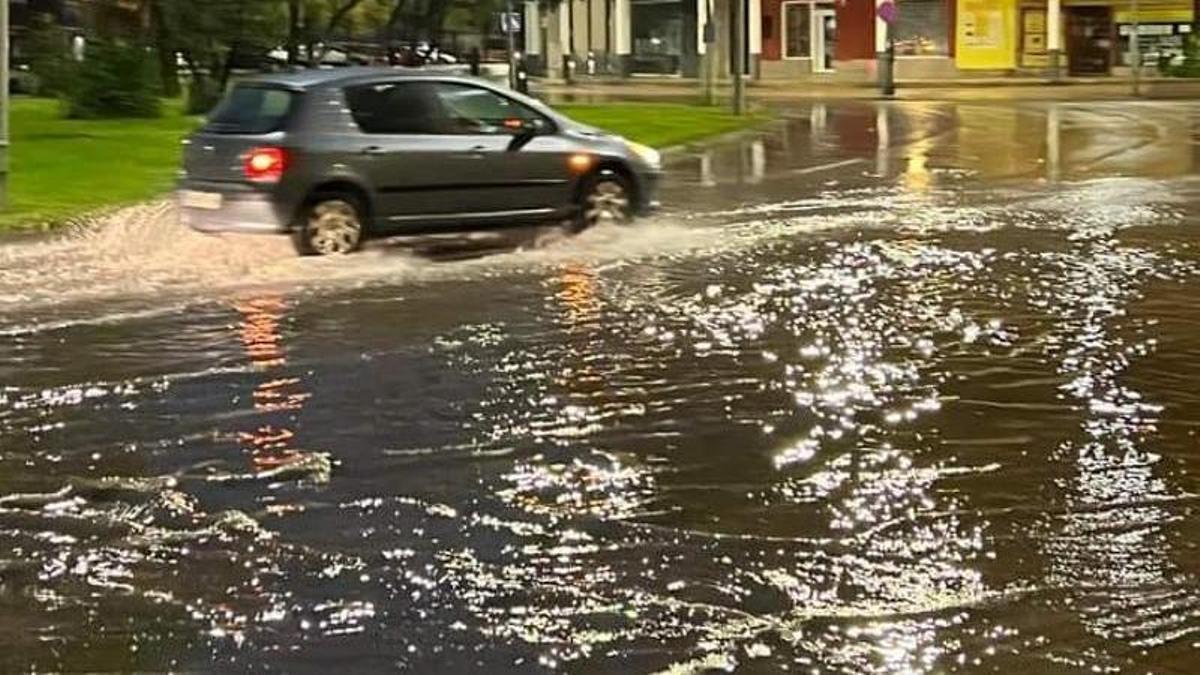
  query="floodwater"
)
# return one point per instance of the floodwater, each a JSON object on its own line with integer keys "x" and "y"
{"x": 899, "y": 388}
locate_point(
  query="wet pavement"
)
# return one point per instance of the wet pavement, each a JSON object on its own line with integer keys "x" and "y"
{"x": 900, "y": 388}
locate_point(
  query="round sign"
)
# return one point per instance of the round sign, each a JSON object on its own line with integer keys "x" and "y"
{"x": 886, "y": 11}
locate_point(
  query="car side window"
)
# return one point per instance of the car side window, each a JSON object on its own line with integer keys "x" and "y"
{"x": 397, "y": 108}
{"x": 475, "y": 110}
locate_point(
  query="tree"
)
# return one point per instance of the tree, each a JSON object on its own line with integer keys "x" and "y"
{"x": 295, "y": 34}
{"x": 213, "y": 35}
{"x": 340, "y": 12}
{"x": 119, "y": 82}
{"x": 47, "y": 45}
{"x": 168, "y": 67}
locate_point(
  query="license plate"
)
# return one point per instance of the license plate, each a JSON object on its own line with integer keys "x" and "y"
{"x": 192, "y": 199}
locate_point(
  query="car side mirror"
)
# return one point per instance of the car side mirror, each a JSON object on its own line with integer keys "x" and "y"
{"x": 524, "y": 131}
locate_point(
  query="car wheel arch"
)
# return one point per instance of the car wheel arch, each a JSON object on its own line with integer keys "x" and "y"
{"x": 341, "y": 187}
{"x": 609, "y": 167}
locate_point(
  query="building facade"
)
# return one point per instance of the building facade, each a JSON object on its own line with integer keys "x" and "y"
{"x": 827, "y": 39}
{"x": 616, "y": 37}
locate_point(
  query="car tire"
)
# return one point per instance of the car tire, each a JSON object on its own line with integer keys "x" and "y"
{"x": 330, "y": 225}
{"x": 606, "y": 199}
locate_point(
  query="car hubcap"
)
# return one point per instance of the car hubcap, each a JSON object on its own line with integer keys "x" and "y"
{"x": 608, "y": 202}
{"x": 334, "y": 228}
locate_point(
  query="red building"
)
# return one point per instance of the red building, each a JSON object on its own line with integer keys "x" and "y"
{"x": 803, "y": 38}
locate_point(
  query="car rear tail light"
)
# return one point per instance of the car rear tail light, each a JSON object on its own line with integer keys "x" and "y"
{"x": 265, "y": 165}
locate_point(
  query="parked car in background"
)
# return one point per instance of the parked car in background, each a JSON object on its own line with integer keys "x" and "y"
{"x": 335, "y": 156}
{"x": 420, "y": 54}
{"x": 22, "y": 80}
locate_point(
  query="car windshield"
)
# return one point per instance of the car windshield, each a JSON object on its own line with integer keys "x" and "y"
{"x": 251, "y": 110}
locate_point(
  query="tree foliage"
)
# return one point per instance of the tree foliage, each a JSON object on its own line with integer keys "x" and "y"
{"x": 120, "y": 81}
{"x": 213, "y": 38}
{"x": 1190, "y": 67}
{"x": 47, "y": 46}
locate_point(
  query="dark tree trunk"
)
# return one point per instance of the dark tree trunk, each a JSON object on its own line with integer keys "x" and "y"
{"x": 295, "y": 27}
{"x": 334, "y": 21}
{"x": 437, "y": 19}
{"x": 168, "y": 69}
{"x": 389, "y": 30}
{"x": 227, "y": 66}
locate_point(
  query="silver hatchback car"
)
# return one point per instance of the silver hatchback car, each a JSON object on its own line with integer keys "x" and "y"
{"x": 335, "y": 156}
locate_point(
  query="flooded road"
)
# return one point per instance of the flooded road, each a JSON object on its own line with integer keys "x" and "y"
{"x": 900, "y": 388}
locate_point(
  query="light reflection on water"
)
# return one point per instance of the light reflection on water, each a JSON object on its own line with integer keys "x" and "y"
{"x": 925, "y": 426}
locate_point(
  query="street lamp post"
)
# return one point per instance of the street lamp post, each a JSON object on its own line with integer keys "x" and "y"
{"x": 1135, "y": 50}
{"x": 506, "y": 24}
{"x": 886, "y": 60}
{"x": 738, "y": 61}
{"x": 4, "y": 87}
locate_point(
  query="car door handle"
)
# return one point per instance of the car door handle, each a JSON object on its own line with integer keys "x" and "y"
{"x": 372, "y": 150}
{"x": 478, "y": 151}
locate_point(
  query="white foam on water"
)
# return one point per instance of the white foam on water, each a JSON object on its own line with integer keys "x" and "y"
{"x": 141, "y": 261}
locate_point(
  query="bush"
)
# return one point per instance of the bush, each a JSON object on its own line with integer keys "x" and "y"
{"x": 114, "y": 80}
{"x": 1191, "y": 59}
{"x": 48, "y": 47}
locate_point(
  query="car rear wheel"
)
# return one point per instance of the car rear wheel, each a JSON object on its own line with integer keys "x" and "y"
{"x": 606, "y": 200}
{"x": 330, "y": 225}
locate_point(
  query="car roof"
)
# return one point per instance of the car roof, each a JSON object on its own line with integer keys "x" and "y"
{"x": 334, "y": 77}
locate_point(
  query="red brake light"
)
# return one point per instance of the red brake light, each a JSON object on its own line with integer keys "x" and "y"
{"x": 265, "y": 165}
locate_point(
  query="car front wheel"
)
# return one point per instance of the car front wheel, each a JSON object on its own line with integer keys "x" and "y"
{"x": 329, "y": 226}
{"x": 606, "y": 200}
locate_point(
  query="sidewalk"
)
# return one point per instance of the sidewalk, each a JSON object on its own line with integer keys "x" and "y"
{"x": 957, "y": 89}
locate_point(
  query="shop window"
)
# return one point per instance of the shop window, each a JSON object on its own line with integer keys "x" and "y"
{"x": 657, "y": 35}
{"x": 797, "y": 30}
{"x": 921, "y": 28}
{"x": 1161, "y": 44}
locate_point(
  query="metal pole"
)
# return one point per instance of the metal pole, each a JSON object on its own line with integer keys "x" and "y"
{"x": 4, "y": 107}
{"x": 710, "y": 54}
{"x": 887, "y": 79}
{"x": 1135, "y": 51}
{"x": 739, "y": 48}
{"x": 512, "y": 45}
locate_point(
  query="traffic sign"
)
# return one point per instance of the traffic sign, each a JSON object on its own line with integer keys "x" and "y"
{"x": 510, "y": 22}
{"x": 886, "y": 11}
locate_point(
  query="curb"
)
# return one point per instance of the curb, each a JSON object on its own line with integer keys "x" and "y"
{"x": 683, "y": 149}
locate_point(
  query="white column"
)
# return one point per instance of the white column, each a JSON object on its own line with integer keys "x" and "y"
{"x": 880, "y": 33}
{"x": 623, "y": 27}
{"x": 533, "y": 28}
{"x": 754, "y": 18}
{"x": 1054, "y": 25}
{"x": 564, "y": 27}
{"x": 701, "y": 20}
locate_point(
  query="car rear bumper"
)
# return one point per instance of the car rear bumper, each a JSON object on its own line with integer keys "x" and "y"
{"x": 216, "y": 207}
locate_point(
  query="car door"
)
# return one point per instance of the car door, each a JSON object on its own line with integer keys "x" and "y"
{"x": 417, "y": 170}
{"x": 517, "y": 166}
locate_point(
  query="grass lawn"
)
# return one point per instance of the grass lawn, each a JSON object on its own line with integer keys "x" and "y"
{"x": 660, "y": 125}
{"x": 65, "y": 168}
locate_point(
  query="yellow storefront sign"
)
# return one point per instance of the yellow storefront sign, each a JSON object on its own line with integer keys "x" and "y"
{"x": 987, "y": 35}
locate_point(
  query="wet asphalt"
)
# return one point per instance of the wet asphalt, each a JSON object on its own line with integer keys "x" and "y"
{"x": 901, "y": 387}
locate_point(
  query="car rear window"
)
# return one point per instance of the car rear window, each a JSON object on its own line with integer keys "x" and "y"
{"x": 252, "y": 110}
